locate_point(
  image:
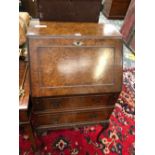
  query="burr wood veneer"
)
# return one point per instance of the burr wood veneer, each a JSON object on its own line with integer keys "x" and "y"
{"x": 75, "y": 73}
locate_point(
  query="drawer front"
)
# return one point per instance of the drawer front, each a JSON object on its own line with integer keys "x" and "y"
{"x": 72, "y": 103}
{"x": 62, "y": 69}
{"x": 59, "y": 119}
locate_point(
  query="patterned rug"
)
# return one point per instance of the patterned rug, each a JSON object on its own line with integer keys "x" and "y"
{"x": 117, "y": 139}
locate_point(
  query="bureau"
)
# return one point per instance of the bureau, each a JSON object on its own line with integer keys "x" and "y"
{"x": 75, "y": 73}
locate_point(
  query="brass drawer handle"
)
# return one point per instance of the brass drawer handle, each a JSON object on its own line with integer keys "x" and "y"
{"x": 78, "y": 43}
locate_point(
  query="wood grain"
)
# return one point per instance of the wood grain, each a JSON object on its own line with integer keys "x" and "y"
{"x": 75, "y": 73}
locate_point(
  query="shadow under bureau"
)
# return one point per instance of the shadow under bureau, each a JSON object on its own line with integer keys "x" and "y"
{"x": 75, "y": 73}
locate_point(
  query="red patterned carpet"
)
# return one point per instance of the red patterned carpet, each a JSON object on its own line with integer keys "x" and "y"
{"x": 117, "y": 139}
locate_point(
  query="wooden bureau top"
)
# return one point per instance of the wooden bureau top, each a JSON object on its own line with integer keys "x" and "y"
{"x": 71, "y": 29}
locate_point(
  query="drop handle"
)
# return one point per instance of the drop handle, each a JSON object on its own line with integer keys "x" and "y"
{"x": 78, "y": 43}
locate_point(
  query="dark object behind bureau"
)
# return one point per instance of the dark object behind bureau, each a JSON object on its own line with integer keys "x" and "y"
{"x": 115, "y": 9}
{"x": 69, "y": 10}
{"x": 30, "y": 6}
{"x": 75, "y": 72}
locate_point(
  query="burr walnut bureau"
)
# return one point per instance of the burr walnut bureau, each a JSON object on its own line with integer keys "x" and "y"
{"x": 75, "y": 73}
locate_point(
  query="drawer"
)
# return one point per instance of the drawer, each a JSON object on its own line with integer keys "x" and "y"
{"x": 72, "y": 103}
{"x": 67, "y": 119}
